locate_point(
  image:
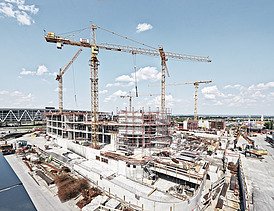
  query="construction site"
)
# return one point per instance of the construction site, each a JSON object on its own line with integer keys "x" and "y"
{"x": 137, "y": 158}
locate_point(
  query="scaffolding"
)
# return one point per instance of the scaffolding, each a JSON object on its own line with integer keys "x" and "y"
{"x": 142, "y": 128}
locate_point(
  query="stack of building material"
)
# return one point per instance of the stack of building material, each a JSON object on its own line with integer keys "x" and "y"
{"x": 70, "y": 187}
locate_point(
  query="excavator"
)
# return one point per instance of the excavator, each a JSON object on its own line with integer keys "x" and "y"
{"x": 251, "y": 150}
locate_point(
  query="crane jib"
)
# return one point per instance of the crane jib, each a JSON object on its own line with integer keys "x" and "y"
{"x": 127, "y": 49}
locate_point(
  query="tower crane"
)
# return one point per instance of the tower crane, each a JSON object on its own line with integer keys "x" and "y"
{"x": 59, "y": 78}
{"x": 196, "y": 86}
{"x": 60, "y": 41}
{"x": 129, "y": 96}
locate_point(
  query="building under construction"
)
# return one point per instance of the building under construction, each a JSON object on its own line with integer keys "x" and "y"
{"x": 143, "y": 129}
{"x": 127, "y": 130}
{"x": 76, "y": 126}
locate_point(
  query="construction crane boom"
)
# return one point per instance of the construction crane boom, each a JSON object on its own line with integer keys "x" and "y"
{"x": 64, "y": 69}
{"x": 50, "y": 37}
{"x": 129, "y": 96}
{"x": 198, "y": 82}
{"x": 196, "y": 86}
{"x": 60, "y": 41}
{"x": 59, "y": 78}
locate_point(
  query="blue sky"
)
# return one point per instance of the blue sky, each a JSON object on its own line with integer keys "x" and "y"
{"x": 236, "y": 35}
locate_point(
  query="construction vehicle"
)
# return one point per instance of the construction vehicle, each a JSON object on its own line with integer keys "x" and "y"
{"x": 251, "y": 150}
{"x": 94, "y": 63}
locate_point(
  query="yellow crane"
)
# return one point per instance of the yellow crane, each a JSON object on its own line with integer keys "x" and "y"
{"x": 59, "y": 78}
{"x": 60, "y": 41}
{"x": 196, "y": 86}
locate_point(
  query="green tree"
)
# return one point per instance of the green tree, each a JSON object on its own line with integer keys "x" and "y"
{"x": 269, "y": 125}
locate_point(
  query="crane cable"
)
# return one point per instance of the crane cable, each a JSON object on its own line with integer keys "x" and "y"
{"x": 74, "y": 89}
{"x": 135, "y": 74}
{"x": 73, "y": 33}
{"x": 126, "y": 37}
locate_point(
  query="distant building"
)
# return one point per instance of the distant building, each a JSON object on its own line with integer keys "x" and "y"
{"x": 202, "y": 124}
{"x": 217, "y": 124}
{"x": 21, "y": 116}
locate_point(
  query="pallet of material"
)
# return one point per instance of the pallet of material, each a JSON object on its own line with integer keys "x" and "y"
{"x": 48, "y": 180}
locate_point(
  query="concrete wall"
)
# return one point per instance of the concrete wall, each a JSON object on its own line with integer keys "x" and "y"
{"x": 126, "y": 193}
{"x": 120, "y": 190}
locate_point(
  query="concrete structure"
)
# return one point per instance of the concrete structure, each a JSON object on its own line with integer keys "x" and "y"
{"x": 259, "y": 174}
{"x": 132, "y": 129}
{"x": 190, "y": 124}
{"x": 143, "y": 129}
{"x": 77, "y": 126}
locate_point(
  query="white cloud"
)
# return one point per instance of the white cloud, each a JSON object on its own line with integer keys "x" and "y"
{"x": 19, "y": 10}
{"x": 239, "y": 96}
{"x": 23, "y": 18}
{"x": 53, "y": 74}
{"x": 211, "y": 92}
{"x": 156, "y": 101}
{"x": 3, "y": 92}
{"x": 236, "y": 86}
{"x": 117, "y": 84}
{"x": 41, "y": 70}
{"x": 141, "y": 27}
{"x": 103, "y": 91}
{"x": 124, "y": 78}
{"x": 18, "y": 2}
{"x": 30, "y": 8}
{"x": 113, "y": 97}
{"x": 261, "y": 86}
{"x": 26, "y": 72}
{"x": 147, "y": 73}
{"x": 143, "y": 74}
{"x": 16, "y": 99}
{"x": 7, "y": 10}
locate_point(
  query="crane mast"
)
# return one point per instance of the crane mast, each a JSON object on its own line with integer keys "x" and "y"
{"x": 129, "y": 96}
{"x": 196, "y": 87}
{"x": 59, "y": 78}
{"x": 94, "y": 63}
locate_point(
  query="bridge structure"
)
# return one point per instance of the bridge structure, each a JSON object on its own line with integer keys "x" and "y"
{"x": 23, "y": 116}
